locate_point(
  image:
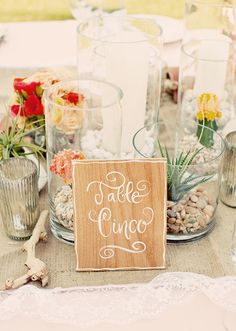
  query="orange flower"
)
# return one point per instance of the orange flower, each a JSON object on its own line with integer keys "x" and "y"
{"x": 61, "y": 164}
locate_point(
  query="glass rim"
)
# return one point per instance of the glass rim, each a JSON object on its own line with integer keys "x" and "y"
{"x": 222, "y": 149}
{"x": 51, "y": 88}
{"x": 127, "y": 18}
{"x": 211, "y": 4}
{"x": 21, "y": 158}
{"x": 186, "y": 53}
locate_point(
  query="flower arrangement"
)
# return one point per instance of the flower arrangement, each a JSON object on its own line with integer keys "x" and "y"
{"x": 26, "y": 103}
{"x": 208, "y": 111}
{"x": 61, "y": 164}
{"x": 68, "y": 119}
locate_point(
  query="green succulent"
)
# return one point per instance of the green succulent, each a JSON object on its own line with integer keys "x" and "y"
{"x": 179, "y": 181}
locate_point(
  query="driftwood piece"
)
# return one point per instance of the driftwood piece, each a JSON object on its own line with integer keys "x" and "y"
{"x": 37, "y": 269}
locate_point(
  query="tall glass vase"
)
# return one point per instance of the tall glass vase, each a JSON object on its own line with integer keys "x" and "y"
{"x": 83, "y": 121}
{"x": 206, "y": 84}
{"x": 209, "y": 19}
{"x": 125, "y": 51}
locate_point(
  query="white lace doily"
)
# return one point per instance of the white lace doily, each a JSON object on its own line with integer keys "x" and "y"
{"x": 115, "y": 304}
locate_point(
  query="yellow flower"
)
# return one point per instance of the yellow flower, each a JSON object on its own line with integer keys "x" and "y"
{"x": 200, "y": 116}
{"x": 208, "y": 107}
{"x": 210, "y": 115}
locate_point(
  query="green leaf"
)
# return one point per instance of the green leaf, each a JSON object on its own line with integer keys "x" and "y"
{"x": 24, "y": 94}
{"x": 177, "y": 185}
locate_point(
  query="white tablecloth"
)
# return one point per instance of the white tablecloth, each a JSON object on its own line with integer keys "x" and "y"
{"x": 38, "y": 44}
{"x": 53, "y": 44}
{"x": 174, "y": 301}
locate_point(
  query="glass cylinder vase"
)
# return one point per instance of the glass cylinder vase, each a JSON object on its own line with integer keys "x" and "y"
{"x": 209, "y": 18}
{"x": 83, "y": 121}
{"x": 125, "y": 51}
{"x": 19, "y": 197}
{"x": 192, "y": 181}
{"x": 206, "y": 83}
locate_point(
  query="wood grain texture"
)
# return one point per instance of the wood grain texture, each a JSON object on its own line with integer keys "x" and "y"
{"x": 120, "y": 214}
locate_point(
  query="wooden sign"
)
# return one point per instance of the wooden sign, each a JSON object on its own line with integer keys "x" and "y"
{"x": 120, "y": 214}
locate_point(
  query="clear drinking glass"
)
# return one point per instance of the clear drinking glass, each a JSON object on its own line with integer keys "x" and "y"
{"x": 206, "y": 82}
{"x": 193, "y": 186}
{"x": 207, "y": 19}
{"x": 83, "y": 120}
{"x": 125, "y": 51}
{"x": 19, "y": 197}
{"x": 84, "y": 9}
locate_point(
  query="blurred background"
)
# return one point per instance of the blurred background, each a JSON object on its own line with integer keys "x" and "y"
{"x": 35, "y": 10}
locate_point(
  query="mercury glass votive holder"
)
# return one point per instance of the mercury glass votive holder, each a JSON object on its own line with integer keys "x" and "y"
{"x": 228, "y": 172}
{"x": 19, "y": 197}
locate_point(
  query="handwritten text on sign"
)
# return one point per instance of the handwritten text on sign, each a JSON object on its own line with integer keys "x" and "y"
{"x": 119, "y": 214}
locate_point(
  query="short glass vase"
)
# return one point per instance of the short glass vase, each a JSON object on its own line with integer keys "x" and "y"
{"x": 192, "y": 180}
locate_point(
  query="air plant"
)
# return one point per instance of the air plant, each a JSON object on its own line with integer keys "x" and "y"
{"x": 179, "y": 180}
{"x": 14, "y": 142}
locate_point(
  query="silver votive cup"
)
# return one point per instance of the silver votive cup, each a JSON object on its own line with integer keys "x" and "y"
{"x": 19, "y": 197}
{"x": 228, "y": 172}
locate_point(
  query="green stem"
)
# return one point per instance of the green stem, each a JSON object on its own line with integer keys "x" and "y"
{"x": 205, "y": 132}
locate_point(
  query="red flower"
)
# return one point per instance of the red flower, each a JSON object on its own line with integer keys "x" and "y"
{"x": 73, "y": 97}
{"x": 17, "y": 83}
{"x": 29, "y": 88}
{"x": 15, "y": 110}
{"x": 33, "y": 106}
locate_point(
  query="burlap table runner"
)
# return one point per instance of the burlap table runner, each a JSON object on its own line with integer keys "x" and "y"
{"x": 210, "y": 256}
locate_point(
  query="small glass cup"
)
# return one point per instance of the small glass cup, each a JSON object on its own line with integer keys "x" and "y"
{"x": 193, "y": 186}
{"x": 83, "y": 9}
{"x": 207, "y": 19}
{"x": 19, "y": 197}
